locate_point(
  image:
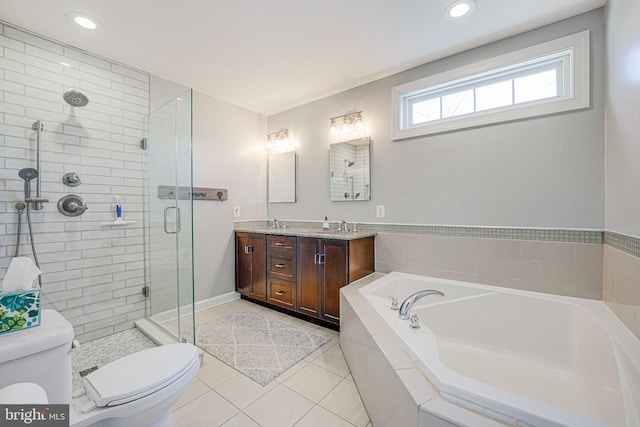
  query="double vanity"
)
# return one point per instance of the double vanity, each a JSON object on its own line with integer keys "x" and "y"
{"x": 301, "y": 270}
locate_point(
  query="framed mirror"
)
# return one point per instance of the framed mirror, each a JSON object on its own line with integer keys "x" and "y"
{"x": 350, "y": 170}
{"x": 282, "y": 177}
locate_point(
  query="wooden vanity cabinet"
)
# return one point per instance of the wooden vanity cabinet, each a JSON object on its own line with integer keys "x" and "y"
{"x": 301, "y": 274}
{"x": 325, "y": 266}
{"x": 251, "y": 279}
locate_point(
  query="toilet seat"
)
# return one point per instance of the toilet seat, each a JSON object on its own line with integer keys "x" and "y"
{"x": 139, "y": 374}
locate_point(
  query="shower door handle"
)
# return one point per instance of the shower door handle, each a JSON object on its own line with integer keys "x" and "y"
{"x": 178, "y": 220}
{"x": 166, "y": 219}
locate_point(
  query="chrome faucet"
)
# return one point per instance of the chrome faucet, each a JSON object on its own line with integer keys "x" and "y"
{"x": 343, "y": 226}
{"x": 274, "y": 223}
{"x": 411, "y": 299}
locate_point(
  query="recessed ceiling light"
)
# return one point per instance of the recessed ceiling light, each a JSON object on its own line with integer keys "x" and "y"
{"x": 84, "y": 21}
{"x": 460, "y": 8}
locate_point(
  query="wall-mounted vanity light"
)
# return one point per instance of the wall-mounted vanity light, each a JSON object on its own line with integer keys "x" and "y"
{"x": 347, "y": 126}
{"x": 280, "y": 142}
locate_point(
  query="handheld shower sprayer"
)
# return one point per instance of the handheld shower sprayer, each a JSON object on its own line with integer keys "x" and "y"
{"x": 27, "y": 174}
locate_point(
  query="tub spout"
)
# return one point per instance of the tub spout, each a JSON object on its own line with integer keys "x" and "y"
{"x": 411, "y": 299}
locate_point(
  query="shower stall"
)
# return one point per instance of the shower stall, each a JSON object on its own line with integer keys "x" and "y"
{"x": 95, "y": 187}
{"x": 169, "y": 222}
{"x": 102, "y": 275}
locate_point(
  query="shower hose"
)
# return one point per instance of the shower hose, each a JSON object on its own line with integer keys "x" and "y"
{"x": 20, "y": 207}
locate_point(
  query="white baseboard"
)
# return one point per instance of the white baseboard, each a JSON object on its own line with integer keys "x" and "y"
{"x": 201, "y": 305}
{"x": 216, "y": 301}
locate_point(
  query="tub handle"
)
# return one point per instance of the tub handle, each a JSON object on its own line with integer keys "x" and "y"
{"x": 394, "y": 303}
{"x": 414, "y": 322}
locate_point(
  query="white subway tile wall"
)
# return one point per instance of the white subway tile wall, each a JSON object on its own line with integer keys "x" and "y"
{"x": 349, "y": 182}
{"x": 340, "y": 173}
{"x": 93, "y": 274}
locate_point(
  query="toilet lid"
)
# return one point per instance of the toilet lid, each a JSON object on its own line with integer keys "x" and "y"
{"x": 139, "y": 374}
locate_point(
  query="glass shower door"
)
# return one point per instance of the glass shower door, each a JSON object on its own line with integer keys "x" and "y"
{"x": 168, "y": 167}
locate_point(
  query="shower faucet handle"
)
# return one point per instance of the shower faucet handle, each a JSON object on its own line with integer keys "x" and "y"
{"x": 72, "y": 205}
{"x": 71, "y": 179}
{"x": 76, "y": 206}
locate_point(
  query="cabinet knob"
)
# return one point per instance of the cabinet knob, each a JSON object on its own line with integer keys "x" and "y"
{"x": 279, "y": 244}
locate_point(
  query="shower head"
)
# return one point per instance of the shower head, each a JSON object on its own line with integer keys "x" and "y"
{"x": 27, "y": 174}
{"x": 349, "y": 163}
{"x": 75, "y": 98}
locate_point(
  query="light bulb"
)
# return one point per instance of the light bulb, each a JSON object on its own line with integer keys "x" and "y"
{"x": 460, "y": 8}
{"x": 85, "y": 22}
{"x": 359, "y": 127}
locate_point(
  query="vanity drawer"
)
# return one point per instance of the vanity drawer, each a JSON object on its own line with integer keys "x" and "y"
{"x": 281, "y": 243}
{"x": 282, "y": 294}
{"x": 282, "y": 266}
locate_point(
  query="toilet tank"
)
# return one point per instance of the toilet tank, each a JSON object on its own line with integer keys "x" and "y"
{"x": 40, "y": 355}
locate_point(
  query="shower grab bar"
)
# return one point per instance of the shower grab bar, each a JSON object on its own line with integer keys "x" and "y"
{"x": 178, "y": 220}
{"x": 38, "y": 126}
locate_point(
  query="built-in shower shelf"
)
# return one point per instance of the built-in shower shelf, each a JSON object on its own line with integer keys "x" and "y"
{"x": 117, "y": 223}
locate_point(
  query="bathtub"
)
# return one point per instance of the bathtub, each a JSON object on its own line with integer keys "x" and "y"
{"x": 524, "y": 358}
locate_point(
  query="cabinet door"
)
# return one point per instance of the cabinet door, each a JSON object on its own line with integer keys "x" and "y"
{"x": 243, "y": 263}
{"x": 258, "y": 289}
{"x": 335, "y": 276}
{"x": 308, "y": 276}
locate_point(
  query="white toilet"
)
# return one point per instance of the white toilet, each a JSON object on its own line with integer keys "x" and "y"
{"x": 136, "y": 390}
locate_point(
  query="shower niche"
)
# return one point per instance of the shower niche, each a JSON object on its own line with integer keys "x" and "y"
{"x": 350, "y": 170}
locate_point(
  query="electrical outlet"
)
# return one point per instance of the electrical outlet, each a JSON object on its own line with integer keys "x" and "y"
{"x": 379, "y": 211}
{"x": 236, "y": 211}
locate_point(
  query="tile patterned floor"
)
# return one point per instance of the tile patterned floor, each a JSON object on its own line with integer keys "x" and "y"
{"x": 316, "y": 392}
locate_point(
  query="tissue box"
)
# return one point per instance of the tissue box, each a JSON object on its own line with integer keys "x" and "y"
{"x": 19, "y": 310}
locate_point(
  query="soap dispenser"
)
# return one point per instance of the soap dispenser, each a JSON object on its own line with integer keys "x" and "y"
{"x": 325, "y": 224}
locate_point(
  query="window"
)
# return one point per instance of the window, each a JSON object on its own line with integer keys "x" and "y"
{"x": 543, "y": 79}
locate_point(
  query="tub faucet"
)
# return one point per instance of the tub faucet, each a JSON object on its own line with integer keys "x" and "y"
{"x": 411, "y": 299}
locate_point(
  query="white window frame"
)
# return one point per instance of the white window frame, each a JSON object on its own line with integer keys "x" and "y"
{"x": 573, "y": 51}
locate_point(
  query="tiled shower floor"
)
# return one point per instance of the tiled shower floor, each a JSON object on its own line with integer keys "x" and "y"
{"x": 318, "y": 391}
{"x": 104, "y": 350}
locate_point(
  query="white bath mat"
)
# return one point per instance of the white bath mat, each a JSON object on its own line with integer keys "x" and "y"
{"x": 257, "y": 344}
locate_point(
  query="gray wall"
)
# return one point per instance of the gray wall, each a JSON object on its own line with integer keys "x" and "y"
{"x": 623, "y": 112}
{"x": 621, "y": 268}
{"x": 228, "y": 152}
{"x": 544, "y": 172}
